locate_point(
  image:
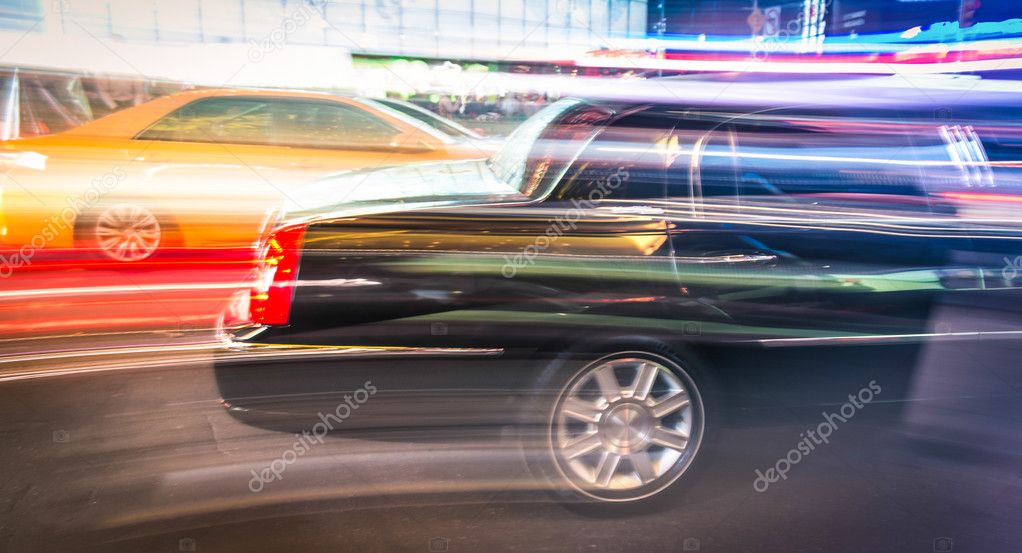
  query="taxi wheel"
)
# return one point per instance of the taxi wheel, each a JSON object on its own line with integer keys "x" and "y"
{"x": 123, "y": 232}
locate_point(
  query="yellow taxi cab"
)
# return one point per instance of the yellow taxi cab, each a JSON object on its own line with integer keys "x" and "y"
{"x": 195, "y": 169}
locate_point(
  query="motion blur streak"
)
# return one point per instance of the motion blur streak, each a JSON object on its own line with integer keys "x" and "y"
{"x": 119, "y": 289}
{"x": 975, "y": 197}
{"x": 510, "y": 275}
{"x": 171, "y": 355}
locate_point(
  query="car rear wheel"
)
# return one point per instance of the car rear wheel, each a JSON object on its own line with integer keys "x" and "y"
{"x": 624, "y": 427}
{"x": 123, "y": 232}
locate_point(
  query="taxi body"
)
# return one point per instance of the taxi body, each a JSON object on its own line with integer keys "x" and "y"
{"x": 195, "y": 169}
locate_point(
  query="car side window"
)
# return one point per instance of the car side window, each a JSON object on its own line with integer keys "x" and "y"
{"x": 225, "y": 120}
{"x": 698, "y": 158}
{"x": 759, "y": 155}
{"x": 814, "y": 158}
{"x": 273, "y": 122}
{"x": 714, "y": 167}
{"x": 624, "y": 162}
{"x": 332, "y": 125}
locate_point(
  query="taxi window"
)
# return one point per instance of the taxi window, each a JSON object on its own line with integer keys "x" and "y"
{"x": 224, "y": 120}
{"x": 332, "y": 125}
{"x": 272, "y": 122}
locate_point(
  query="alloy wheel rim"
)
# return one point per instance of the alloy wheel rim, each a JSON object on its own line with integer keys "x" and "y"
{"x": 127, "y": 232}
{"x": 622, "y": 442}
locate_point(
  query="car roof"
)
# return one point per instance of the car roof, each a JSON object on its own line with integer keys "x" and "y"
{"x": 231, "y": 92}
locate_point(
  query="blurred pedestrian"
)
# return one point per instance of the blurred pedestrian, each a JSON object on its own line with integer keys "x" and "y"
{"x": 509, "y": 105}
{"x": 447, "y": 106}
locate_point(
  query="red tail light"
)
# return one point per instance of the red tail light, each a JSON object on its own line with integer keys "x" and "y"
{"x": 278, "y": 272}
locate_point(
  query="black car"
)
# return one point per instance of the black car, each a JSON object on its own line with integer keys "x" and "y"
{"x": 622, "y": 278}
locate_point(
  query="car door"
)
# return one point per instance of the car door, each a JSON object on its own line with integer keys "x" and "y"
{"x": 473, "y": 272}
{"x": 760, "y": 248}
{"x": 620, "y": 173}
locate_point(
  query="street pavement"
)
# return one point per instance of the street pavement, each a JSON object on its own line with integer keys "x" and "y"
{"x": 134, "y": 451}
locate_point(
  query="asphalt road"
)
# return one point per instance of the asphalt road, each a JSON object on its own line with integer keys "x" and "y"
{"x": 136, "y": 453}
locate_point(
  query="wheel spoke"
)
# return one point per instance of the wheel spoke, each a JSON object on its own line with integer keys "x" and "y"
{"x": 610, "y": 388}
{"x": 606, "y": 468}
{"x": 147, "y": 220}
{"x": 643, "y": 466}
{"x": 670, "y": 404}
{"x": 581, "y": 410}
{"x": 644, "y": 379}
{"x": 127, "y": 232}
{"x": 669, "y": 438}
{"x": 581, "y": 446}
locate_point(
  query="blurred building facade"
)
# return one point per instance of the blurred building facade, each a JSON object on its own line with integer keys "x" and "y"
{"x": 453, "y": 29}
